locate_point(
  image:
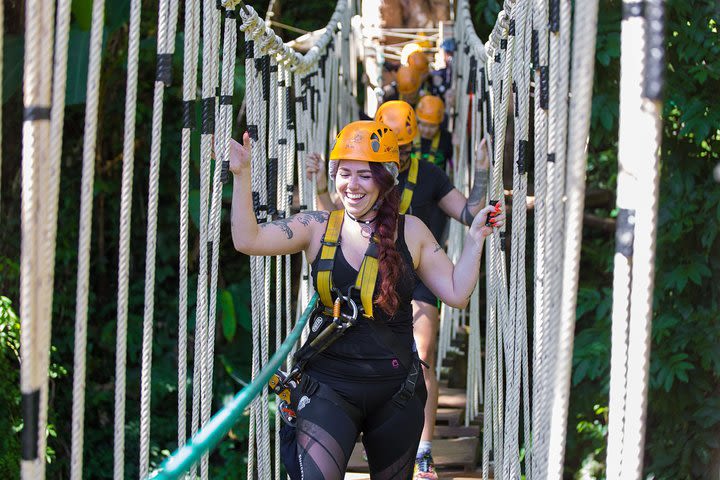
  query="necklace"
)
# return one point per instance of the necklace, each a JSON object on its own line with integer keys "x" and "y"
{"x": 365, "y": 229}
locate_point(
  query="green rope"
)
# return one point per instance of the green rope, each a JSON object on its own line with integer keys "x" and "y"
{"x": 220, "y": 424}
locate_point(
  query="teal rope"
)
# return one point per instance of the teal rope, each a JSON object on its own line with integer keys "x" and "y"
{"x": 221, "y": 423}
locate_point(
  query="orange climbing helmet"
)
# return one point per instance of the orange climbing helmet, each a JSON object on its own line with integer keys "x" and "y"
{"x": 366, "y": 140}
{"x": 418, "y": 62}
{"x": 408, "y": 80}
{"x": 430, "y": 109}
{"x": 400, "y": 117}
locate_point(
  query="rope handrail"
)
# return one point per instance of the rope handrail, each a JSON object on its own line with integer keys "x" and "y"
{"x": 256, "y": 28}
{"x": 221, "y": 423}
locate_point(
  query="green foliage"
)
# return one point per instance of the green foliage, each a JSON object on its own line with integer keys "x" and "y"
{"x": 10, "y": 420}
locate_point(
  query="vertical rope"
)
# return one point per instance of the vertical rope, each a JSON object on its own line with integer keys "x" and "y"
{"x": 86, "y": 205}
{"x": 167, "y": 13}
{"x": 190, "y": 64}
{"x": 34, "y": 306}
{"x": 580, "y": 107}
{"x": 124, "y": 245}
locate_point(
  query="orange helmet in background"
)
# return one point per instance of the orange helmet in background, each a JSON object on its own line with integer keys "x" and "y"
{"x": 408, "y": 80}
{"x": 419, "y": 62}
{"x": 400, "y": 117}
{"x": 366, "y": 140}
{"x": 430, "y": 109}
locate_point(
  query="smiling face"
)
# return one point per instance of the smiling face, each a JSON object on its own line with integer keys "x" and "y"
{"x": 356, "y": 187}
{"x": 427, "y": 130}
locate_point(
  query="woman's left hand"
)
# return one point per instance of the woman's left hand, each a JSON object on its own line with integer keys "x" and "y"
{"x": 478, "y": 229}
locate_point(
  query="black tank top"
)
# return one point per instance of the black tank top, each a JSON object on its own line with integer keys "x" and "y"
{"x": 360, "y": 355}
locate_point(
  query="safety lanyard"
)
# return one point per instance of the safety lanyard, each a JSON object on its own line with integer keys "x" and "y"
{"x": 367, "y": 275}
{"x": 410, "y": 183}
{"x": 430, "y": 156}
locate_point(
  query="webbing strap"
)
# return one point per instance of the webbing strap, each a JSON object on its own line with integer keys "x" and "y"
{"x": 430, "y": 156}
{"x": 365, "y": 281}
{"x": 327, "y": 256}
{"x": 409, "y": 185}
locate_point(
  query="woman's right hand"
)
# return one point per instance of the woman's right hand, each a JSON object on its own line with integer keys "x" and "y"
{"x": 315, "y": 165}
{"x": 240, "y": 155}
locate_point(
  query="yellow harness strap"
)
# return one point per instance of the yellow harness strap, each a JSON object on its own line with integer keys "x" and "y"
{"x": 430, "y": 156}
{"x": 410, "y": 183}
{"x": 367, "y": 275}
{"x": 327, "y": 256}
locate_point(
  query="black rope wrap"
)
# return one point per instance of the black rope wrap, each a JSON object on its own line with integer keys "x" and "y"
{"x": 522, "y": 156}
{"x": 32, "y": 113}
{"x": 503, "y": 44}
{"x": 497, "y": 58}
{"x": 300, "y": 147}
{"x": 544, "y": 94}
{"x": 654, "y": 71}
{"x": 208, "y": 115}
{"x": 488, "y": 115}
{"x": 502, "y": 241}
{"x": 289, "y": 189}
{"x": 502, "y": 80}
{"x": 535, "y": 49}
{"x": 272, "y": 186}
{"x": 472, "y": 80}
{"x": 551, "y": 157}
{"x": 632, "y": 9}
{"x": 262, "y": 66}
{"x": 625, "y": 232}
{"x": 516, "y": 106}
{"x": 225, "y": 171}
{"x": 290, "y": 105}
{"x": 230, "y": 14}
{"x": 511, "y": 27}
{"x": 226, "y": 99}
{"x": 210, "y": 255}
{"x": 250, "y": 49}
{"x": 188, "y": 107}
{"x": 163, "y": 73}
{"x": 554, "y": 16}
{"x": 30, "y": 407}
{"x": 253, "y": 132}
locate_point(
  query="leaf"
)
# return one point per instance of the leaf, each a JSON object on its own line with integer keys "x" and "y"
{"x": 229, "y": 320}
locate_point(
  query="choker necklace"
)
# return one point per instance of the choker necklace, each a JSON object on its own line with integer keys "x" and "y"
{"x": 366, "y": 222}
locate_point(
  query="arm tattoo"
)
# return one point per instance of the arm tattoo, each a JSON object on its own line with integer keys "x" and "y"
{"x": 304, "y": 218}
{"x": 479, "y": 189}
{"x": 466, "y": 217}
{"x": 437, "y": 248}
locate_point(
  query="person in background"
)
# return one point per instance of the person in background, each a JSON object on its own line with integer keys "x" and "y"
{"x": 441, "y": 79}
{"x": 434, "y": 144}
{"x": 406, "y": 86}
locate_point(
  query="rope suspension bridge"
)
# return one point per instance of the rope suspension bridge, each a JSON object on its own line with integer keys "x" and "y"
{"x": 529, "y": 84}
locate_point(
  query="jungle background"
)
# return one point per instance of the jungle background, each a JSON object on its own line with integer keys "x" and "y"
{"x": 683, "y": 425}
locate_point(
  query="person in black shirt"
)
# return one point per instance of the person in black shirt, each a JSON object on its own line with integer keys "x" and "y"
{"x": 351, "y": 387}
{"x": 432, "y": 192}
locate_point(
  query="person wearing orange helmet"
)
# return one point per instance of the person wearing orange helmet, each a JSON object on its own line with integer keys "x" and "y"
{"x": 434, "y": 144}
{"x": 405, "y": 87}
{"x": 364, "y": 377}
{"x": 428, "y": 193}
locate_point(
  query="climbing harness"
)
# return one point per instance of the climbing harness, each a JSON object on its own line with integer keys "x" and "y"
{"x": 433, "y": 155}
{"x": 410, "y": 183}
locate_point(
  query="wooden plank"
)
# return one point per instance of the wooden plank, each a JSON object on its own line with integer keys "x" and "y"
{"x": 456, "y": 452}
{"x": 449, "y": 416}
{"x": 452, "y": 398}
{"x": 447, "y": 431}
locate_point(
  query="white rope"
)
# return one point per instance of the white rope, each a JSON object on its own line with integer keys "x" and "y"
{"x": 167, "y": 14}
{"x": 86, "y": 206}
{"x": 638, "y": 176}
{"x": 124, "y": 244}
{"x": 36, "y": 283}
{"x": 190, "y": 64}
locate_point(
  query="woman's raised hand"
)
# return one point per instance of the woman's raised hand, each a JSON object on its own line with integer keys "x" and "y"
{"x": 240, "y": 155}
{"x": 492, "y": 214}
{"x": 483, "y": 155}
{"x": 315, "y": 164}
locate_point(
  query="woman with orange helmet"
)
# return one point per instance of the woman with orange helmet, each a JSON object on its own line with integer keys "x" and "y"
{"x": 405, "y": 87}
{"x": 354, "y": 384}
